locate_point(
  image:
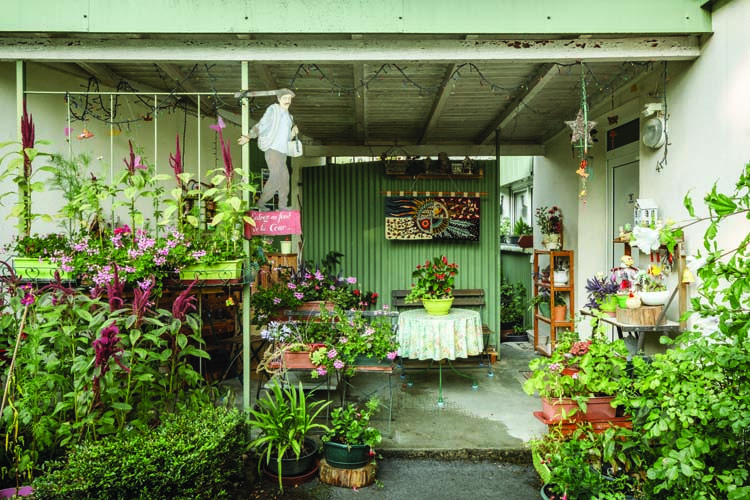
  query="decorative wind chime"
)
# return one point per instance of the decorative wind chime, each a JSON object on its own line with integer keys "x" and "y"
{"x": 581, "y": 138}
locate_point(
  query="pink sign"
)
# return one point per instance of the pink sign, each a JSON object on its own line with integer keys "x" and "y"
{"x": 273, "y": 223}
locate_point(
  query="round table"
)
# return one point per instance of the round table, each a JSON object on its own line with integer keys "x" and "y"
{"x": 457, "y": 334}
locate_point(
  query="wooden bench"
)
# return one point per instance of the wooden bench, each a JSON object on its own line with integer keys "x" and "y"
{"x": 463, "y": 297}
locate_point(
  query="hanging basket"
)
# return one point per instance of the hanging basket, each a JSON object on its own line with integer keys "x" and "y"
{"x": 437, "y": 307}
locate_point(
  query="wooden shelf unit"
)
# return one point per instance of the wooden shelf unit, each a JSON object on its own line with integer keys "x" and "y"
{"x": 553, "y": 258}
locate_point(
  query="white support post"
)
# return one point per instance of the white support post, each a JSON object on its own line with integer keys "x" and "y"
{"x": 247, "y": 287}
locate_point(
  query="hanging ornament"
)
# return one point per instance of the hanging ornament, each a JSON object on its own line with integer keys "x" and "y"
{"x": 85, "y": 134}
{"x": 581, "y": 128}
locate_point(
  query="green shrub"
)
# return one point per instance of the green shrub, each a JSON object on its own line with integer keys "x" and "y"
{"x": 195, "y": 454}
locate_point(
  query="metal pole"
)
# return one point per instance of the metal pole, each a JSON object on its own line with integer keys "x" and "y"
{"x": 247, "y": 286}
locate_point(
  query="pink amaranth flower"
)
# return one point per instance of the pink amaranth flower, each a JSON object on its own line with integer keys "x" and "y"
{"x": 175, "y": 161}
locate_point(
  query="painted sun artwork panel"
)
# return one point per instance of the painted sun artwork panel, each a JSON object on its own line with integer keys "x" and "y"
{"x": 431, "y": 218}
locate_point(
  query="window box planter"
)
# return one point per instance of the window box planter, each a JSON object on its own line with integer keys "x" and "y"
{"x": 38, "y": 269}
{"x": 225, "y": 271}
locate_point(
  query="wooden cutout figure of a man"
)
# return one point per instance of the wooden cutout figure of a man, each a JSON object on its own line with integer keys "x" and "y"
{"x": 274, "y": 131}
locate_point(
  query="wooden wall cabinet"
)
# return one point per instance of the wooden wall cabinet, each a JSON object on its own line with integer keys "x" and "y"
{"x": 555, "y": 260}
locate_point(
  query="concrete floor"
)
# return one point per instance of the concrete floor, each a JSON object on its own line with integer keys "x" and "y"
{"x": 492, "y": 421}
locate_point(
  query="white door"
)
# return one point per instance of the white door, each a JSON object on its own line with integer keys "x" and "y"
{"x": 624, "y": 188}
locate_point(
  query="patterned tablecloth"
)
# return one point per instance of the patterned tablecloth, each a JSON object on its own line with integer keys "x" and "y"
{"x": 455, "y": 335}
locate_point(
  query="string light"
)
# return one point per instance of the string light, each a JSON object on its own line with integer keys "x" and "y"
{"x": 92, "y": 106}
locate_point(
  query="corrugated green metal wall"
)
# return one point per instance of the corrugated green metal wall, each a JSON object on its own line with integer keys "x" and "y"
{"x": 343, "y": 210}
{"x": 516, "y": 267}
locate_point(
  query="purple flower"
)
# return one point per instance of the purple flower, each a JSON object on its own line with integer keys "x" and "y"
{"x": 332, "y": 354}
{"x": 392, "y": 355}
{"x": 319, "y": 276}
{"x": 322, "y": 370}
{"x": 343, "y": 340}
{"x": 338, "y": 364}
{"x": 27, "y": 299}
{"x": 291, "y": 286}
{"x": 276, "y": 300}
{"x": 299, "y": 295}
{"x": 351, "y": 280}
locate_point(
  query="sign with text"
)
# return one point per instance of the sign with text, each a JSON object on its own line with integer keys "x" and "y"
{"x": 273, "y": 223}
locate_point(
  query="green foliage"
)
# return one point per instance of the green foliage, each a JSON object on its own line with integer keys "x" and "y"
{"x": 504, "y": 228}
{"x": 587, "y": 464}
{"x": 434, "y": 280}
{"x": 579, "y": 369}
{"x": 521, "y": 228}
{"x": 192, "y": 454}
{"x": 691, "y": 403}
{"x": 63, "y": 393}
{"x": 512, "y": 302}
{"x": 284, "y": 418}
{"x": 350, "y": 425}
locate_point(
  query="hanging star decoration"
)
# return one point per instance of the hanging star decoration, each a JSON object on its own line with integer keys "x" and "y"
{"x": 581, "y": 130}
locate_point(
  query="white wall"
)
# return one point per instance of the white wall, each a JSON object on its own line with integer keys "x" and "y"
{"x": 709, "y": 141}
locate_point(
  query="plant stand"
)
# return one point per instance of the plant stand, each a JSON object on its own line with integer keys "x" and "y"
{"x": 541, "y": 259}
{"x": 348, "y": 478}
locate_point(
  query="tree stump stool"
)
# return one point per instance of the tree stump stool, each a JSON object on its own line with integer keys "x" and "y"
{"x": 348, "y": 478}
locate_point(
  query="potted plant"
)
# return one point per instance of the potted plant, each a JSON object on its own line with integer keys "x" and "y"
{"x": 350, "y": 441}
{"x": 602, "y": 293}
{"x": 591, "y": 464}
{"x": 230, "y": 196}
{"x": 285, "y": 418}
{"x": 550, "y": 222}
{"x": 651, "y": 286}
{"x": 504, "y": 229}
{"x": 512, "y": 307}
{"x": 521, "y": 230}
{"x": 579, "y": 378}
{"x": 434, "y": 285}
{"x": 541, "y": 301}
{"x": 357, "y": 338}
{"x": 559, "y": 307}
{"x": 40, "y": 256}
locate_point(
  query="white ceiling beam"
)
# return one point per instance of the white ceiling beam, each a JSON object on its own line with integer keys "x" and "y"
{"x": 438, "y": 104}
{"x": 522, "y": 100}
{"x": 425, "y": 150}
{"x": 360, "y": 98}
{"x": 665, "y": 48}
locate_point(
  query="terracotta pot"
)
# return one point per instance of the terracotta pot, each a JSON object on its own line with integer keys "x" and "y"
{"x": 559, "y": 409}
{"x": 298, "y": 360}
{"x": 599, "y": 408}
{"x": 559, "y": 313}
